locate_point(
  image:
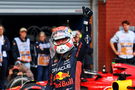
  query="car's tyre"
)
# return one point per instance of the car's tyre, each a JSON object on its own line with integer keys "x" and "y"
{"x": 18, "y": 81}
{"x": 32, "y": 86}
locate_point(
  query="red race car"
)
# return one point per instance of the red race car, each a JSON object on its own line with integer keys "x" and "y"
{"x": 99, "y": 81}
{"x": 103, "y": 81}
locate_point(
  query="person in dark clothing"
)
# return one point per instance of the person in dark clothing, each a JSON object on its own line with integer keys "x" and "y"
{"x": 86, "y": 59}
{"x": 65, "y": 66}
{"x": 4, "y": 48}
{"x": 43, "y": 57}
{"x": 21, "y": 48}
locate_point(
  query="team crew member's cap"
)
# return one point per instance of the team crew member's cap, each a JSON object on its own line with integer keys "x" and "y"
{"x": 23, "y": 29}
{"x": 17, "y": 63}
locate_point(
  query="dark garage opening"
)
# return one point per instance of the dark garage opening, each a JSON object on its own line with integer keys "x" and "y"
{"x": 13, "y": 23}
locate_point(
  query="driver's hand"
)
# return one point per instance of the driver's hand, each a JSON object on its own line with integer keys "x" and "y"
{"x": 19, "y": 73}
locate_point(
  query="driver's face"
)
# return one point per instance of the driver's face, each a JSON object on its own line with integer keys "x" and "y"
{"x": 61, "y": 41}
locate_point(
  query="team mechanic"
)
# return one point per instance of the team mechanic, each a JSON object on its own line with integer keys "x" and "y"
{"x": 64, "y": 66}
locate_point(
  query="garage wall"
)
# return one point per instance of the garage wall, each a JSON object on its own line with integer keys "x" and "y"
{"x": 111, "y": 14}
{"x": 43, "y": 6}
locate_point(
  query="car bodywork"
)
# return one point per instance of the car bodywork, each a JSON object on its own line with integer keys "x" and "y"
{"x": 105, "y": 81}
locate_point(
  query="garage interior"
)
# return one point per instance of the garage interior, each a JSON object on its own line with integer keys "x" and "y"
{"x": 26, "y": 13}
{"x": 13, "y": 23}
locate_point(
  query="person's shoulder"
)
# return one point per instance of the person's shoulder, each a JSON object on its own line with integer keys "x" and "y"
{"x": 118, "y": 33}
{"x": 27, "y": 38}
{"x": 14, "y": 42}
{"x": 5, "y": 37}
{"x": 47, "y": 42}
{"x": 131, "y": 32}
{"x": 16, "y": 38}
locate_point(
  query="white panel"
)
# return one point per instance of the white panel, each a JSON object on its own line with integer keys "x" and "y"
{"x": 42, "y": 6}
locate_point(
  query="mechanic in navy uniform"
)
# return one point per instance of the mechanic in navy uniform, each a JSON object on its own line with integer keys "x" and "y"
{"x": 43, "y": 57}
{"x": 4, "y": 48}
{"x": 21, "y": 48}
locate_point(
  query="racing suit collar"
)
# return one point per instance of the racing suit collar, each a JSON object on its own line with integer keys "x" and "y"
{"x": 66, "y": 55}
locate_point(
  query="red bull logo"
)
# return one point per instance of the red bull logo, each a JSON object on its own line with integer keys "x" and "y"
{"x": 64, "y": 83}
{"x": 61, "y": 76}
